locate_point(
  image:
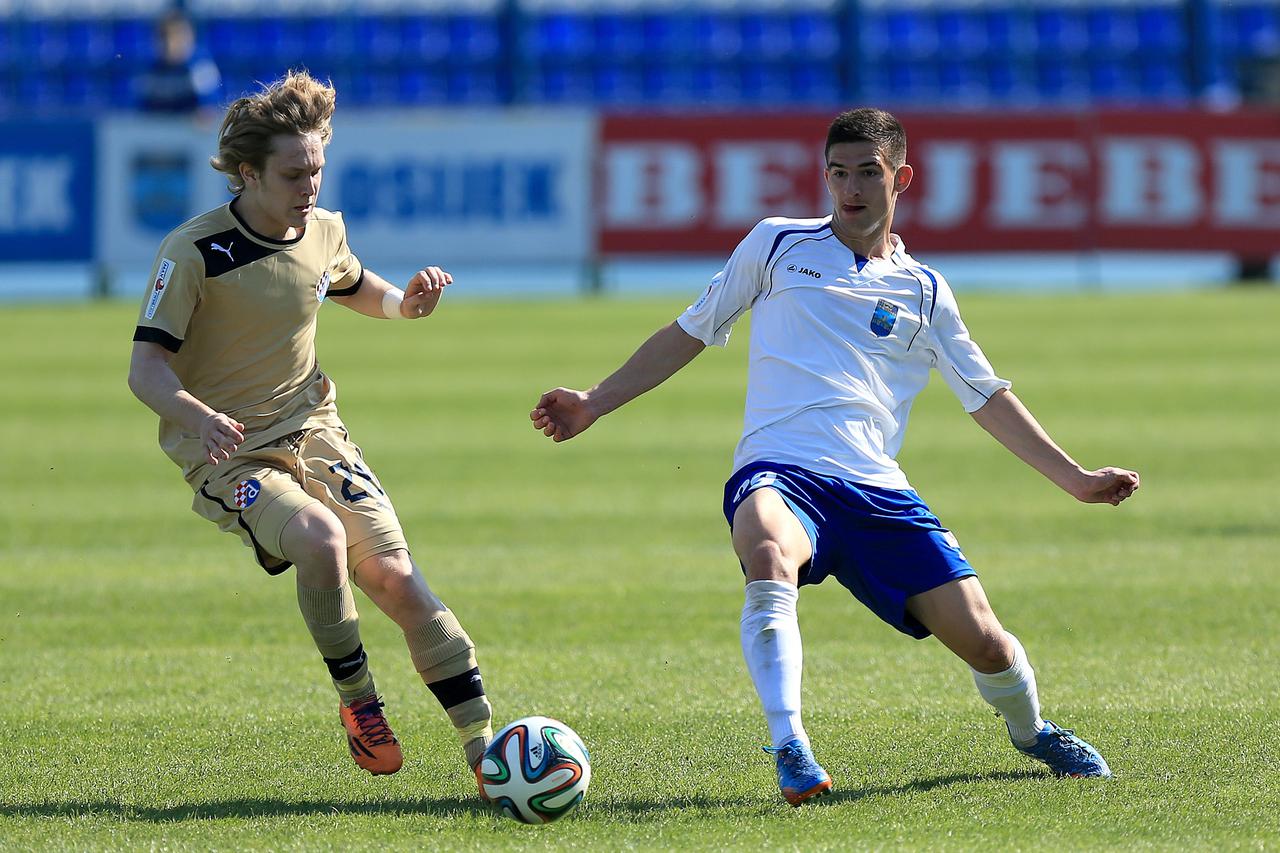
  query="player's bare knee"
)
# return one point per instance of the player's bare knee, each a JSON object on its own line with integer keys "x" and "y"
{"x": 991, "y": 651}
{"x": 766, "y": 560}
{"x": 316, "y": 540}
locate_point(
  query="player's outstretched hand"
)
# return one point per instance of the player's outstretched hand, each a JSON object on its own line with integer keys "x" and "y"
{"x": 220, "y": 436}
{"x": 423, "y": 293}
{"x": 562, "y": 413}
{"x": 1107, "y": 486}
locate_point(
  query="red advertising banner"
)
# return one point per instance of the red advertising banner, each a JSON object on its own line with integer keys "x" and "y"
{"x": 1035, "y": 182}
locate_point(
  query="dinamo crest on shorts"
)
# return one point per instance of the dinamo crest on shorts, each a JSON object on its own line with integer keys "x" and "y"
{"x": 884, "y": 318}
{"x": 246, "y": 493}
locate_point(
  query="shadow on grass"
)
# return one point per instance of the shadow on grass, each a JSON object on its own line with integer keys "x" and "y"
{"x": 441, "y": 807}
{"x": 918, "y": 785}
{"x": 453, "y": 807}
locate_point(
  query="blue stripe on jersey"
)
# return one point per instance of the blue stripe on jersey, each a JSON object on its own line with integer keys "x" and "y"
{"x": 925, "y": 270}
{"x": 782, "y": 234}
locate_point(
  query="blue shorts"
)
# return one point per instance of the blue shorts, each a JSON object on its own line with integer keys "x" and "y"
{"x": 883, "y": 545}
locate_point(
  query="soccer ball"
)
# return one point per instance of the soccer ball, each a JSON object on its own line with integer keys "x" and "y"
{"x": 535, "y": 770}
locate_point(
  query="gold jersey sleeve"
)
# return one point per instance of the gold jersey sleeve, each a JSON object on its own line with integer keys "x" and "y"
{"x": 238, "y": 310}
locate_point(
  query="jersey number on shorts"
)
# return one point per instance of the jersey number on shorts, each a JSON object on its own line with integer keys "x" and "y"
{"x": 759, "y": 480}
{"x": 350, "y": 491}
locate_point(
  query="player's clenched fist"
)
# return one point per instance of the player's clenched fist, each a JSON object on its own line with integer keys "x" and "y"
{"x": 562, "y": 413}
{"x": 220, "y": 436}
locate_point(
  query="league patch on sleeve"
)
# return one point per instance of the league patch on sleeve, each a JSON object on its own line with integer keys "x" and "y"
{"x": 246, "y": 493}
{"x": 157, "y": 287}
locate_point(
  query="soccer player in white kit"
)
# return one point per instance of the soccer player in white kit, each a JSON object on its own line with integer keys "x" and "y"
{"x": 846, "y": 328}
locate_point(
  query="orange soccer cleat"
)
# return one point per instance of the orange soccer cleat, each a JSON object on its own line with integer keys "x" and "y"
{"x": 373, "y": 744}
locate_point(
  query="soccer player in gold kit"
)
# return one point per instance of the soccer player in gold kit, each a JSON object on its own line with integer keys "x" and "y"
{"x": 224, "y": 353}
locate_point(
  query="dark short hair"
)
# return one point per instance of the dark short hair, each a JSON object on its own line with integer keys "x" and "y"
{"x": 870, "y": 125}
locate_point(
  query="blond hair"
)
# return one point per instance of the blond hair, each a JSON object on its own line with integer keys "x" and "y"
{"x": 296, "y": 104}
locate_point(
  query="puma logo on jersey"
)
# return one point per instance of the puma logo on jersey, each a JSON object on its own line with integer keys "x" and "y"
{"x": 804, "y": 271}
{"x": 227, "y": 251}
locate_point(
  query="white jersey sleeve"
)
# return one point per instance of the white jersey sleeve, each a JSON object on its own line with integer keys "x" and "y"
{"x": 960, "y": 361}
{"x": 733, "y": 290}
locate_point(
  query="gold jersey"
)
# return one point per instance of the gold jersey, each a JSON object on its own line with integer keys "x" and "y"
{"x": 238, "y": 311}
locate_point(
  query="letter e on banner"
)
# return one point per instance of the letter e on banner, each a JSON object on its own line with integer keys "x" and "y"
{"x": 1039, "y": 185}
{"x": 1248, "y": 177}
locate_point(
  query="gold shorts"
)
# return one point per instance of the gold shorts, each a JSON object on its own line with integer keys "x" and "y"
{"x": 257, "y": 492}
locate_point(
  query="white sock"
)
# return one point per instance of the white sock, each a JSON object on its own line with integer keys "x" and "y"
{"x": 771, "y": 645}
{"x": 1013, "y": 694}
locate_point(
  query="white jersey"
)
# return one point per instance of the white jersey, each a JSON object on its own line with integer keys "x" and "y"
{"x": 840, "y": 347}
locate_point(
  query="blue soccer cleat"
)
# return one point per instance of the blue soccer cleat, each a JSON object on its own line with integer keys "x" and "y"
{"x": 1065, "y": 754}
{"x": 799, "y": 775}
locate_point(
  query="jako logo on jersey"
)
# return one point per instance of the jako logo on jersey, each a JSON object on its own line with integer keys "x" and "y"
{"x": 759, "y": 480}
{"x": 322, "y": 286}
{"x": 158, "y": 286}
{"x": 246, "y": 493}
{"x": 885, "y": 316}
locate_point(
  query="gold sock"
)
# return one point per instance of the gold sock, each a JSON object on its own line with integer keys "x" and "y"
{"x": 331, "y": 618}
{"x": 445, "y": 657}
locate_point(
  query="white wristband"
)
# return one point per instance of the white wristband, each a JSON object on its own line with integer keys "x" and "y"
{"x": 391, "y": 301}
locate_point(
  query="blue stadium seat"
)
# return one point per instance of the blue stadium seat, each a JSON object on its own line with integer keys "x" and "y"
{"x": 1112, "y": 30}
{"x": 1060, "y": 81}
{"x": 1060, "y": 30}
{"x": 9, "y": 57}
{"x": 766, "y": 83}
{"x": 716, "y": 36}
{"x": 814, "y": 83}
{"x": 42, "y": 43}
{"x": 558, "y": 37}
{"x": 1010, "y": 79}
{"x": 910, "y": 81}
{"x": 86, "y": 90}
{"x": 474, "y": 84}
{"x": 1256, "y": 28}
{"x": 1162, "y": 28}
{"x": 766, "y": 35}
{"x": 617, "y": 38}
{"x": 616, "y": 84}
{"x": 560, "y": 83}
{"x": 718, "y": 83}
{"x": 1113, "y": 81}
{"x": 910, "y": 31}
{"x": 960, "y": 80}
{"x": 1164, "y": 80}
{"x": 89, "y": 42}
{"x": 961, "y": 32}
{"x": 8, "y": 92}
{"x": 133, "y": 39}
{"x": 815, "y": 34}
{"x": 378, "y": 39}
{"x": 666, "y": 84}
{"x": 1009, "y": 31}
{"x": 475, "y": 37}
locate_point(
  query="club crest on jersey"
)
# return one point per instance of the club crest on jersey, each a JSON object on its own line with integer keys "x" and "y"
{"x": 322, "y": 287}
{"x": 884, "y": 318}
{"x": 246, "y": 493}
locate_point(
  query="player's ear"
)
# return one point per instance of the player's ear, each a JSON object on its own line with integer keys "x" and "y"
{"x": 902, "y": 177}
{"x": 248, "y": 174}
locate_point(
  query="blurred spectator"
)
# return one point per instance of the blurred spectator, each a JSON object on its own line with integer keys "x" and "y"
{"x": 181, "y": 80}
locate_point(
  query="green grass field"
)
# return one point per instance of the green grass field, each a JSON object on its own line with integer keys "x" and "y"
{"x": 161, "y": 691}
